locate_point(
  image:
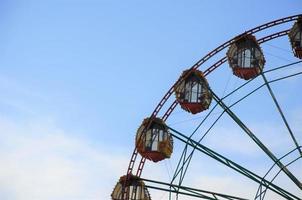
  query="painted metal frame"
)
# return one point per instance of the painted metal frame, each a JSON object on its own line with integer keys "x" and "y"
{"x": 219, "y": 101}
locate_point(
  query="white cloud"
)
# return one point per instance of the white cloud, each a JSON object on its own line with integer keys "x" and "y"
{"x": 39, "y": 161}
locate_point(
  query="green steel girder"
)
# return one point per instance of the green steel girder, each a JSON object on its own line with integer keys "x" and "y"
{"x": 229, "y": 163}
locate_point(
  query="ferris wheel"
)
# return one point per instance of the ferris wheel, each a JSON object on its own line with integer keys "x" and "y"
{"x": 198, "y": 92}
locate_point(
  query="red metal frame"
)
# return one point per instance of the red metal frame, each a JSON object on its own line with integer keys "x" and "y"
{"x": 206, "y": 72}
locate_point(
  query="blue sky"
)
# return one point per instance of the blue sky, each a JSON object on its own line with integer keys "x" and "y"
{"x": 77, "y": 78}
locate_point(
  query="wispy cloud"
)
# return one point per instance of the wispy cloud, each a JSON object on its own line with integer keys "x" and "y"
{"x": 41, "y": 161}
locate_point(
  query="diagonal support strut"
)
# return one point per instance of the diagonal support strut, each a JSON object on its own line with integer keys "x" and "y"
{"x": 281, "y": 113}
{"x": 231, "y": 164}
{"x": 256, "y": 140}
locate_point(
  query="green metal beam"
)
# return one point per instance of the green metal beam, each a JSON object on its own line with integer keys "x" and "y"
{"x": 229, "y": 163}
{"x": 256, "y": 140}
{"x": 185, "y": 160}
{"x": 204, "y": 194}
{"x": 281, "y": 113}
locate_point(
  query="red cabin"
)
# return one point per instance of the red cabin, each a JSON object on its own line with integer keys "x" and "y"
{"x": 193, "y": 92}
{"x": 295, "y": 37}
{"x": 153, "y": 140}
{"x": 246, "y": 57}
{"x": 133, "y": 189}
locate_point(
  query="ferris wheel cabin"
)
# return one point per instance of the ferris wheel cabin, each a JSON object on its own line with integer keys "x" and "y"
{"x": 295, "y": 37}
{"x": 193, "y": 92}
{"x": 246, "y": 57}
{"x": 153, "y": 140}
{"x": 132, "y": 188}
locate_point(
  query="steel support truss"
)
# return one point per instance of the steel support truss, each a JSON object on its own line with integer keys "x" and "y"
{"x": 226, "y": 109}
{"x": 193, "y": 192}
{"x": 233, "y": 165}
{"x": 185, "y": 159}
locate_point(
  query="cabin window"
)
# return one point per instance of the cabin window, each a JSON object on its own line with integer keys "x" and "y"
{"x": 298, "y": 40}
{"x": 193, "y": 91}
{"x": 153, "y": 137}
{"x": 134, "y": 189}
{"x": 247, "y": 58}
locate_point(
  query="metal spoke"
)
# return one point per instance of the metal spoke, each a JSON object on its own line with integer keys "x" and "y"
{"x": 256, "y": 140}
{"x": 281, "y": 113}
{"x": 233, "y": 165}
{"x": 261, "y": 193}
{"x": 282, "y": 67}
{"x": 259, "y": 87}
{"x": 185, "y": 159}
{"x": 204, "y": 194}
{"x": 187, "y": 154}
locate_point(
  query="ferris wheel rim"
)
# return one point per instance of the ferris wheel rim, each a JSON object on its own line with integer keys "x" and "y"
{"x": 208, "y": 71}
{"x": 222, "y": 47}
